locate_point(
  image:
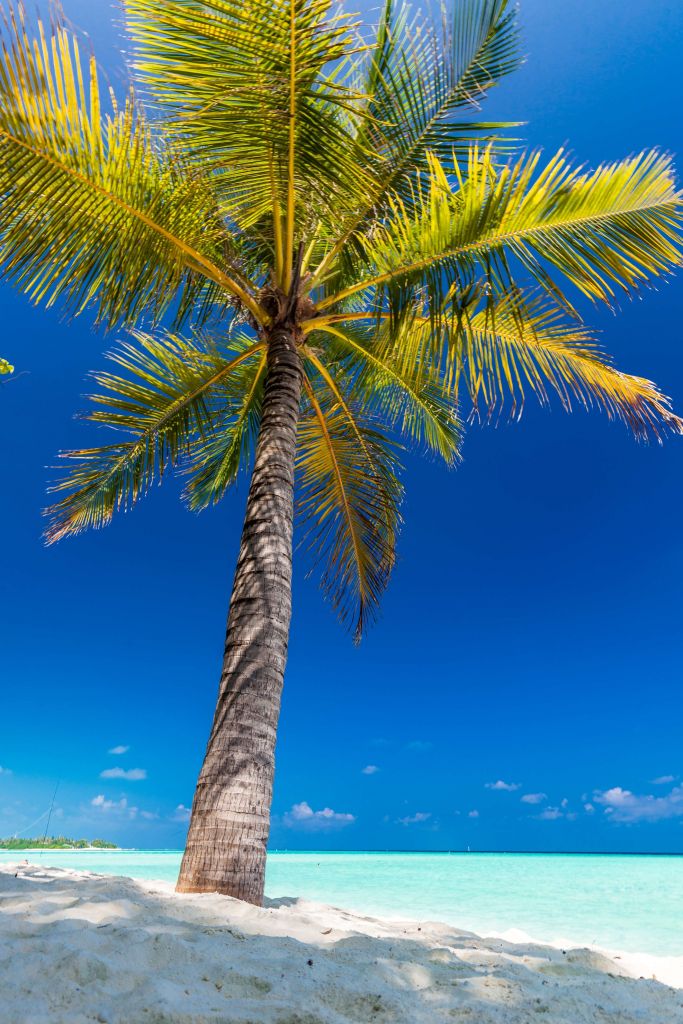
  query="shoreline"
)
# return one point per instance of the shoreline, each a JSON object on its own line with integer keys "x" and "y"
{"x": 665, "y": 962}
{"x": 135, "y": 950}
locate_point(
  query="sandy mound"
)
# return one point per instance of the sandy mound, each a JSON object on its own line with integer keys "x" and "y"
{"x": 77, "y": 947}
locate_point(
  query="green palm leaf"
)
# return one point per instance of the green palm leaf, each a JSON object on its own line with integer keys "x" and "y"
{"x": 418, "y": 403}
{"x": 91, "y": 210}
{"x": 615, "y": 227}
{"x": 252, "y": 92}
{"x": 416, "y": 104}
{"x": 164, "y": 402}
{"x": 348, "y": 501}
{"x": 216, "y": 457}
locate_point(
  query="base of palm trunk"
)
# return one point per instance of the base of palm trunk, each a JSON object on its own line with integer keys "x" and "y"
{"x": 206, "y": 876}
{"x": 231, "y": 868}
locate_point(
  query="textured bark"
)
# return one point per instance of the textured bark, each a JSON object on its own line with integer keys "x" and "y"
{"x": 230, "y": 822}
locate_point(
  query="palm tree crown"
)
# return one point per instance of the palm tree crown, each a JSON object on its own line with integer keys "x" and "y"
{"x": 284, "y": 147}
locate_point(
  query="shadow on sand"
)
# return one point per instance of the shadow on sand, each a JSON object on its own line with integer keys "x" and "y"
{"x": 76, "y": 948}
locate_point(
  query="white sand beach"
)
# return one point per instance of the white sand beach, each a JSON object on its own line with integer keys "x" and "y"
{"x": 80, "y": 947}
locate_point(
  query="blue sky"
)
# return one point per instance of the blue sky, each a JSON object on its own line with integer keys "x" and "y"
{"x": 523, "y": 687}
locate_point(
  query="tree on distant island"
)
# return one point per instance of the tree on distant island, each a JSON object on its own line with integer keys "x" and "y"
{"x": 354, "y": 258}
{"x": 56, "y": 843}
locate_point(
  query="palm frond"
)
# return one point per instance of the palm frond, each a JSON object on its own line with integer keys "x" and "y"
{"x": 217, "y": 457}
{"x": 250, "y": 88}
{"x": 164, "y": 402}
{"x": 422, "y": 80}
{"x": 407, "y": 394}
{"x": 423, "y": 77}
{"x": 514, "y": 346}
{"x": 521, "y": 346}
{"x": 348, "y": 500}
{"x": 91, "y": 210}
{"x": 616, "y": 227}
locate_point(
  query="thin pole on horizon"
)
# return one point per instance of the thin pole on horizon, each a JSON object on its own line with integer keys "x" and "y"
{"x": 49, "y": 816}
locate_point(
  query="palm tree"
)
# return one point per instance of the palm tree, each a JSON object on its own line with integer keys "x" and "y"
{"x": 320, "y": 251}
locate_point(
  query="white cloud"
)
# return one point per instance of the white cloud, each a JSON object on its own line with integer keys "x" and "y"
{"x": 473, "y": 814}
{"x": 415, "y": 819}
{"x": 149, "y": 815}
{"x": 564, "y": 803}
{"x": 181, "y": 813}
{"x": 507, "y": 787}
{"x": 114, "y": 806}
{"x": 663, "y": 780}
{"x": 5, "y": 771}
{"x": 370, "y": 769}
{"x": 624, "y": 806}
{"x": 130, "y": 774}
{"x": 119, "y": 750}
{"x": 303, "y": 816}
{"x": 533, "y": 798}
{"x": 589, "y": 809}
{"x": 550, "y": 814}
{"x": 419, "y": 746}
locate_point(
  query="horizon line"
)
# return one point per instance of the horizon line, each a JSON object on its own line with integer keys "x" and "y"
{"x": 443, "y": 852}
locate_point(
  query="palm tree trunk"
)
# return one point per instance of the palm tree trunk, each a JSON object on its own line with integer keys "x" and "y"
{"x": 230, "y": 822}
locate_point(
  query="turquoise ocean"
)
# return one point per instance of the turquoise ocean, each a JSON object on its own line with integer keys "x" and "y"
{"x": 628, "y": 903}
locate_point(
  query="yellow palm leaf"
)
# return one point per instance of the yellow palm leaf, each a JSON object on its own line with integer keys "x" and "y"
{"x": 166, "y": 400}
{"x": 616, "y": 227}
{"x": 254, "y": 91}
{"x": 91, "y": 210}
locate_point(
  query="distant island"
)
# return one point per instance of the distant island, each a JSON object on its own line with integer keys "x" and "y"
{"x": 56, "y": 843}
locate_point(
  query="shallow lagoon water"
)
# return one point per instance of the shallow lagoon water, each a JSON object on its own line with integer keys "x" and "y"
{"x": 617, "y": 902}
